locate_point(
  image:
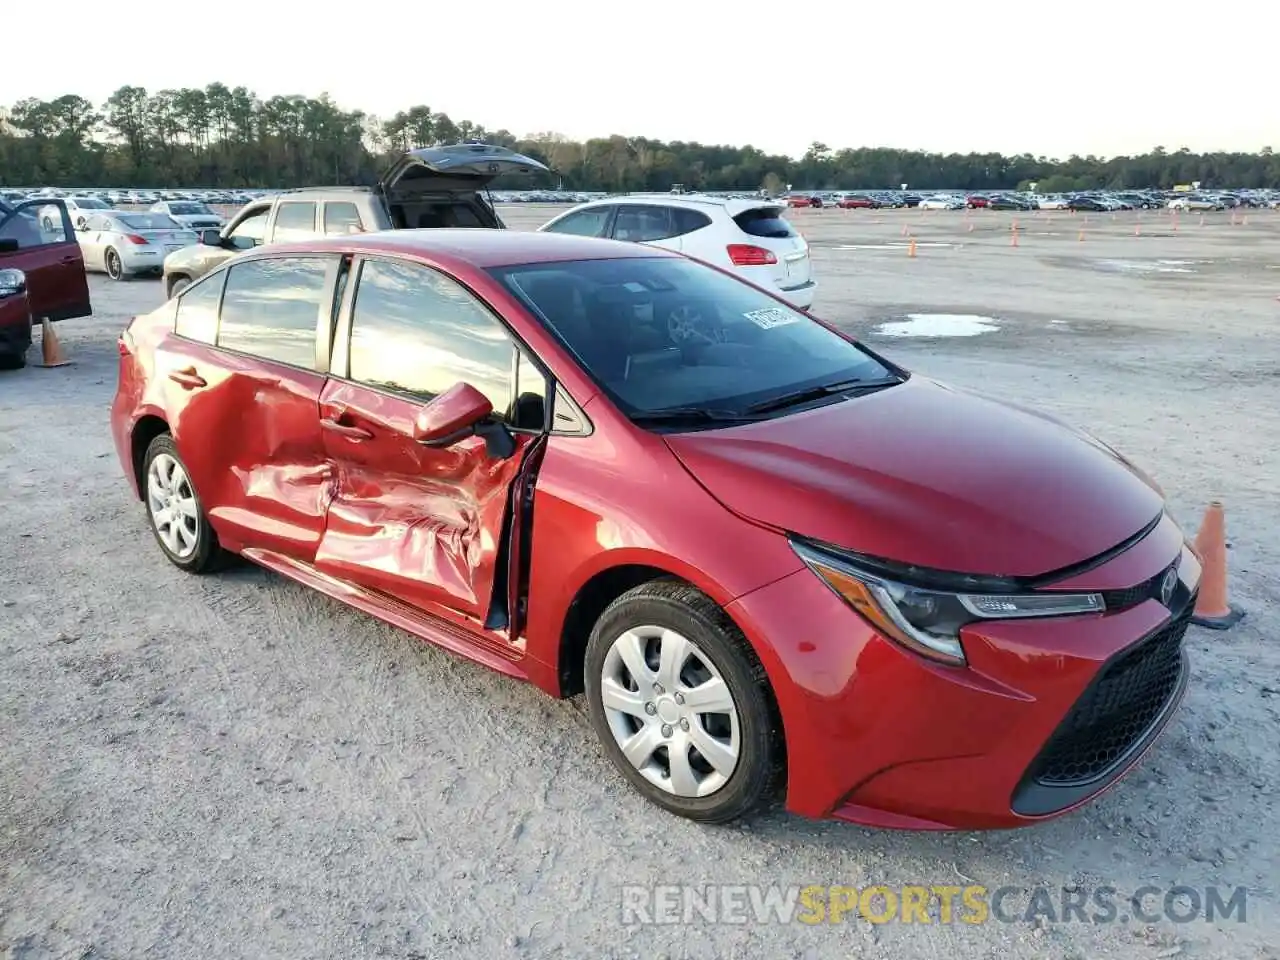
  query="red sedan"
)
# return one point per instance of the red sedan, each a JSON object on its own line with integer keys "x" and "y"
{"x": 770, "y": 558}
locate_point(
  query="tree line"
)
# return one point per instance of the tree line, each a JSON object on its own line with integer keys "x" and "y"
{"x": 228, "y": 137}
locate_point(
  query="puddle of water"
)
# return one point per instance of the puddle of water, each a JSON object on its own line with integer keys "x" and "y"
{"x": 938, "y": 325}
{"x": 1150, "y": 266}
{"x": 920, "y": 244}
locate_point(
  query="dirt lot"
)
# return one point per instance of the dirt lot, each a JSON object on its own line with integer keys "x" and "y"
{"x": 237, "y": 767}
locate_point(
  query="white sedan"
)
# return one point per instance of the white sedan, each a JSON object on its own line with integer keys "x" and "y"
{"x": 941, "y": 203}
{"x": 80, "y": 209}
{"x": 190, "y": 213}
{"x": 123, "y": 244}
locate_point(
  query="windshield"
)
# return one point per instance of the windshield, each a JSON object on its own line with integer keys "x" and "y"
{"x": 189, "y": 209}
{"x": 149, "y": 221}
{"x": 664, "y": 333}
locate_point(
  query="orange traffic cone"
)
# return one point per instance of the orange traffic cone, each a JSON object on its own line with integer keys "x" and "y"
{"x": 1213, "y": 610}
{"x": 911, "y": 248}
{"x": 1080, "y": 238}
{"x": 50, "y": 350}
{"x": 1013, "y": 238}
{"x": 1137, "y": 230}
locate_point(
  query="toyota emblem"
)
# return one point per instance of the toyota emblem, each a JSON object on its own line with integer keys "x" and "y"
{"x": 1167, "y": 585}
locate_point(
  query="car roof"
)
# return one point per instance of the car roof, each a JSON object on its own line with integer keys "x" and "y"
{"x": 692, "y": 201}
{"x": 479, "y": 247}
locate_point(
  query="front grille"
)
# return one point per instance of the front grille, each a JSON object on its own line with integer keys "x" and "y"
{"x": 1116, "y": 712}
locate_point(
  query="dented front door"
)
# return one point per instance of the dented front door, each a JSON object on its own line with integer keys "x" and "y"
{"x": 421, "y": 524}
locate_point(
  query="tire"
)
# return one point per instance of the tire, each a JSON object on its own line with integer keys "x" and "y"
{"x": 193, "y": 548}
{"x": 654, "y": 718}
{"x": 177, "y": 285}
{"x": 114, "y": 265}
{"x": 13, "y": 361}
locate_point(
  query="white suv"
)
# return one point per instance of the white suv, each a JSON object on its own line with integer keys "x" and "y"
{"x": 749, "y": 237}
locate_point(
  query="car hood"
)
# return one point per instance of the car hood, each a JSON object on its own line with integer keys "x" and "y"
{"x": 931, "y": 476}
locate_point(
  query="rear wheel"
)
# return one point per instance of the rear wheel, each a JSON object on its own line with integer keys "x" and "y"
{"x": 13, "y": 361}
{"x": 174, "y": 509}
{"x": 681, "y": 703}
{"x": 115, "y": 267}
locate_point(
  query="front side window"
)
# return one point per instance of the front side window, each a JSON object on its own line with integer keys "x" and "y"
{"x": 417, "y": 332}
{"x": 197, "y": 317}
{"x": 35, "y": 224}
{"x": 295, "y": 221}
{"x": 583, "y": 223}
{"x": 271, "y": 308}
{"x": 665, "y": 332}
{"x": 251, "y": 231}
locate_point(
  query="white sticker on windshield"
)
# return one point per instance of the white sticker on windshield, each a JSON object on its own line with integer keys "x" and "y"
{"x": 771, "y": 317}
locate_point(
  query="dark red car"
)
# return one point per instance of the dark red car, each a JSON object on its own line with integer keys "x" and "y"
{"x": 856, "y": 201}
{"x": 771, "y": 558}
{"x": 41, "y": 273}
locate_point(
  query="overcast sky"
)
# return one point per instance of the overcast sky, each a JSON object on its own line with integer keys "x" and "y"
{"x": 1050, "y": 79}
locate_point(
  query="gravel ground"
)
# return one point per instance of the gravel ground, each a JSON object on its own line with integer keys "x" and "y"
{"x": 235, "y": 766}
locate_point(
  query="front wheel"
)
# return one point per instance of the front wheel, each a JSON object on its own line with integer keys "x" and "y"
{"x": 681, "y": 703}
{"x": 177, "y": 285}
{"x": 174, "y": 509}
{"x": 115, "y": 267}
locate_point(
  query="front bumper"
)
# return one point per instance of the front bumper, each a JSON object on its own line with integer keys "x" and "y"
{"x": 879, "y": 736}
{"x": 15, "y": 326}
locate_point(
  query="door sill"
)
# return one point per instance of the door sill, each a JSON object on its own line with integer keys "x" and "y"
{"x": 491, "y": 650}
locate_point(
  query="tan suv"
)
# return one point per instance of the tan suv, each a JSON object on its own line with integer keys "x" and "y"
{"x": 430, "y": 187}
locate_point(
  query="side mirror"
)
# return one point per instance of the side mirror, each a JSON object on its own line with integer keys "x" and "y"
{"x": 460, "y": 412}
{"x": 13, "y": 283}
{"x": 211, "y": 238}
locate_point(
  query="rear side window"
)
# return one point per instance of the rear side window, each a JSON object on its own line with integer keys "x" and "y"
{"x": 271, "y": 307}
{"x": 637, "y": 224}
{"x": 764, "y": 222}
{"x": 584, "y": 223}
{"x": 341, "y": 219}
{"x": 688, "y": 221}
{"x": 295, "y": 221}
{"x": 197, "y": 317}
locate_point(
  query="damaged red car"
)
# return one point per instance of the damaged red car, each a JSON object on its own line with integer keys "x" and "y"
{"x": 774, "y": 561}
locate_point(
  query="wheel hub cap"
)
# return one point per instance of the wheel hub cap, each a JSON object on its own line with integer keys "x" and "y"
{"x": 670, "y": 711}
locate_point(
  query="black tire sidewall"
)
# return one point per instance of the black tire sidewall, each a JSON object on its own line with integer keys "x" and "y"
{"x": 107, "y": 263}
{"x": 178, "y": 285}
{"x": 207, "y": 547}
{"x": 758, "y": 752}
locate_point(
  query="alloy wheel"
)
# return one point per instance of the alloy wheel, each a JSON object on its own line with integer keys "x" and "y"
{"x": 670, "y": 711}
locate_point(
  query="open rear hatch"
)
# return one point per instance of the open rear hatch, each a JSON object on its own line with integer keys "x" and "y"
{"x": 440, "y": 186}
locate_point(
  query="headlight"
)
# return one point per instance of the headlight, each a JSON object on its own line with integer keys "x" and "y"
{"x": 924, "y": 610}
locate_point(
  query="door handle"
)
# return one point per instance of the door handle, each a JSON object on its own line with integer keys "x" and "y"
{"x": 346, "y": 429}
{"x": 188, "y": 379}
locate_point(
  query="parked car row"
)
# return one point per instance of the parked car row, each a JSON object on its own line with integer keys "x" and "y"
{"x": 1012, "y": 200}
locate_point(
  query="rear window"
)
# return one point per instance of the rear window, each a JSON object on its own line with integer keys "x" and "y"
{"x": 764, "y": 222}
{"x": 148, "y": 221}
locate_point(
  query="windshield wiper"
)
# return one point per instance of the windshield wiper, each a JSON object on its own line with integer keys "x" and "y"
{"x": 817, "y": 393}
{"x": 689, "y": 415}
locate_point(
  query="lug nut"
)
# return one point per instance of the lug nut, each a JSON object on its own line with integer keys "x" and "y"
{"x": 657, "y": 688}
{"x": 680, "y": 698}
{"x": 650, "y": 709}
{"x": 666, "y": 730}
{"x": 684, "y": 725}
